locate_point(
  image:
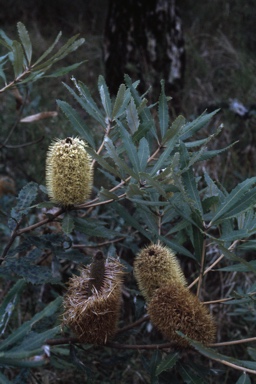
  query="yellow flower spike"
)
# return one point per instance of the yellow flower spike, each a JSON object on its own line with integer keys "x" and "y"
{"x": 154, "y": 266}
{"x": 174, "y": 308}
{"x": 68, "y": 171}
{"x": 93, "y": 301}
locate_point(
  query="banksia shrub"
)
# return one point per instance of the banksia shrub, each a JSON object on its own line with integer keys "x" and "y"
{"x": 174, "y": 308}
{"x": 93, "y": 301}
{"x": 155, "y": 266}
{"x": 68, "y": 171}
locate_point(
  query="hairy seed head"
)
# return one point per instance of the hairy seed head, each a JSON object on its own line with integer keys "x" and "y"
{"x": 68, "y": 171}
{"x": 155, "y": 266}
{"x": 174, "y": 308}
{"x": 92, "y": 310}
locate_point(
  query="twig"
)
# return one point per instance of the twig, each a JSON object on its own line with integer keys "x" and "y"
{"x": 134, "y": 324}
{"x": 201, "y": 273}
{"x": 11, "y": 240}
{"x": 242, "y": 341}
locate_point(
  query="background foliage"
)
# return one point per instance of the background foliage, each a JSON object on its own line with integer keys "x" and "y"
{"x": 132, "y": 203}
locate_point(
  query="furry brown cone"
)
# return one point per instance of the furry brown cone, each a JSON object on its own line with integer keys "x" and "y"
{"x": 92, "y": 313}
{"x": 155, "y": 266}
{"x": 174, "y": 308}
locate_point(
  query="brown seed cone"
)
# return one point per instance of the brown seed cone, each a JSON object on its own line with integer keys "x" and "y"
{"x": 174, "y": 308}
{"x": 155, "y": 266}
{"x": 68, "y": 171}
{"x": 93, "y": 314}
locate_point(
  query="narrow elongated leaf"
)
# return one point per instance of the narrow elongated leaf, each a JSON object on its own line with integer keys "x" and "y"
{"x": 241, "y": 198}
{"x": 77, "y": 123}
{"x": 48, "y": 51}
{"x": 152, "y": 182}
{"x": 87, "y": 103}
{"x": 143, "y": 154}
{"x": 4, "y": 380}
{"x": 5, "y": 40}
{"x": 25, "y": 40}
{"x": 176, "y": 247}
{"x": 23, "y": 330}
{"x": 64, "y": 70}
{"x": 93, "y": 228}
{"x": 68, "y": 224}
{"x": 160, "y": 163}
{"x": 131, "y": 220}
{"x": 240, "y": 267}
{"x": 9, "y": 304}
{"x": 167, "y": 363}
{"x": 243, "y": 379}
{"x": 18, "y": 59}
{"x": 103, "y": 163}
{"x": 132, "y": 116}
{"x": 117, "y": 160}
{"x": 163, "y": 114}
{"x": 129, "y": 147}
{"x": 190, "y": 128}
{"x": 118, "y": 101}
{"x": 189, "y": 376}
{"x": 175, "y": 129}
{"x": 107, "y": 195}
{"x": 232, "y": 256}
{"x": 105, "y": 97}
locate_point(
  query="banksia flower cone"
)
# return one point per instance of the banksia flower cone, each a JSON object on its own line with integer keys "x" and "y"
{"x": 68, "y": 171}
{"x": 93, "y": 301}
{"x": 155, "y": 266}
{"x": 174, "y": 308}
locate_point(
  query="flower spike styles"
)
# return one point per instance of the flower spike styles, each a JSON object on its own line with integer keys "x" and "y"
{"x": 154, "y": 266}
{"x": 68, "y": 171}
{"x": 174, "y": 308}
{"x": 93, "y": 301}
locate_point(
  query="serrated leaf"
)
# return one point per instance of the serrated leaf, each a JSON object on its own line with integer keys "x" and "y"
{"x": 9, "y": 304}
{"x": 161, "y": 162}
{"x": 241, "y": 198}
{"x": 86, "y": 101}
{"x": 152, "y": 182}
{"x": 192, "y": 127}
{"x": 188, "y": 376}
{"x": 17, "y": 59}
{"x": 123, "y": 167}
{"x": 240, "y": 267}
{"x": 93, "y": 228}
{"x": 76, "y": 121}
{"x": 167, "y": 363}
{"x": 25, "y": 40}
{"x": 232, "y": 256}
{"x": 25, "y": 328}
{"x": 175, "y": 129}
{"x": 103, "y": 163}
{"x": 118, "y": 101}
{"x": 163, "y": 114}
{"x": 105, "y": 96}
{"x": 104, "y": 194}
{"x": 64, "y": 70}
{"x": 132, "y": 116}
{"x": 67, "y": 224}
{"x": 24, "y": 200}
{"x": 129, "y": 147}
{"x": 143, "y": 154}
{"x": 176, "y": 247}
{"x": 48, "y": 51}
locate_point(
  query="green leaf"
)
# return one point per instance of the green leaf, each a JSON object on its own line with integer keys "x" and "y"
{"x": 25, "y": 40}
{"x": 176, "y": 247}
{"x": 188, "y": 376}
{"x": 129, "y": 147}
{"x": 104, "y": 195}
{"x": 86, "y": 101}
{"x": 77, "y": 122}
{"x": 5, "y": 40}
{"x": 212, "y": 354}
{"x": 25, "y": 328}
{"x": 24, "y": 200}
{"x": 103, "y": 163}
{"x": 163, "y": 114}
{"x": 118, "y": 101}
{"x": 175, "y": 129}
{"x": 243, "y": 379}
{"x": 117, "y": 160}
{"x": 9, "y": 304}
{"x": 92, "y": 228}
{"x": 68, "y": 224}
{"x": 48, "y": 51}
{"x": 105, "y": 97}
{"x": 132, "y": 116}
{"x": 152, "y": 182}
{"x": 241, "y": 198}
{"x": 4, "y": 380}
{"x": 143, "y": 154}
{"x": 190, "y": 128}
{"x": 63, "y": 71}
{"x": 167, "y": 363}
{"x": 232, "y": 256}
{"x": 17, "y": 59}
